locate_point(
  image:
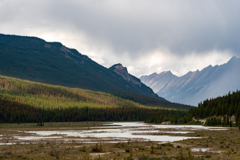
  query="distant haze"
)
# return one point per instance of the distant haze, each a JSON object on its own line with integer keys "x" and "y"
{"x": 145, "y": 36}
{"x": 211, "y": 82}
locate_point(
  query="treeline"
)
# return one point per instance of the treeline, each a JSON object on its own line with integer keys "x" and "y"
{"x": 23, "y": 101}
{"x": 152, "y": 101}
{"x": 14, "y": 112}
{"x": 174, "y": 117}
{"x": 216, "y": 121}
{"x": 225, "y": 107}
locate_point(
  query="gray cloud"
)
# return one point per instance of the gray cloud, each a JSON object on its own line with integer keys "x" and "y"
{"x": 130, "y": 31}
{"x": 140, "y": 26}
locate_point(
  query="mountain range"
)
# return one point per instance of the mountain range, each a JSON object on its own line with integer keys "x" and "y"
{"x": 34, "y": 59}
{"x": 194, "y": 87}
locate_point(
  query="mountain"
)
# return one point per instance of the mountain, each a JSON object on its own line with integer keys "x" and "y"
{"x": 197, "y": 86}
{"x": 34, "y": 59}
{"x": 122, "y": 71}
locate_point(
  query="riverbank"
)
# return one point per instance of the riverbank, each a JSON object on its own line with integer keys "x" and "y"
{"x": 117, "y": 141}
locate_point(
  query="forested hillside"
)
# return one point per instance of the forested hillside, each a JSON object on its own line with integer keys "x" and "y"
{"x": 34, "y": 59}
{"x": 25, "y": 101}
{"x": 15, "y": 112}
{"x": 217, "y": 108}
{"x": 50, "y": 96}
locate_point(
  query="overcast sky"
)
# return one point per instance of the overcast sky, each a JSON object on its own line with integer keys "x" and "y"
{"x": 146, "y": 36}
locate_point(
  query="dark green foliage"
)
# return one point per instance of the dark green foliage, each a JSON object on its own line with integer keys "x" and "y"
{"x": 23, "y": 101}
{"x": 41, "y": 124}
{"x": 208, "y": 156}
{"x": 14, "y": 112}
{"x": 34, "y": 59}
{"x": 83, "y": 149}
{"x": 224, "y": 107}
{"x": 152, "y": 101}
{"x": 175, "y": 117}
{"x": 49, "y": 96}
{"x": 182, "y": 156}
{"x": 152, "y": 149}
{"x": 97, "y": 148}
{"x": 213, "y": 121}
{"x": 167, "y": 145}
{"x": 52, "y": 63}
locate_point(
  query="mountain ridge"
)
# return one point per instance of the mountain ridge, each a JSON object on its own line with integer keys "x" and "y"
{"x": 196, "y": 86}
{"x": 123, "y": 72}
{"x": 34, "y": 59}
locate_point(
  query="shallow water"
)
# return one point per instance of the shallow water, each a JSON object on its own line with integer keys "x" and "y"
{"x": 147, "y": 125}
{"x": 200, "y": 149}
{"x": 120, "y": 132}
{"x": 33, "y": 137}
{"x": 204, "y": 150}
{"x": 2, "y": 144}
{"x": 124, "y": 131}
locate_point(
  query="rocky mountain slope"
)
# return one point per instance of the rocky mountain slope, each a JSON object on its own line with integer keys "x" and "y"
{"x": 123, "y": 72}
{"x": 197, "y": 86}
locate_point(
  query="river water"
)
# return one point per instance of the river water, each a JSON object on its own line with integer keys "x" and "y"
{"x": 121, "y": 132}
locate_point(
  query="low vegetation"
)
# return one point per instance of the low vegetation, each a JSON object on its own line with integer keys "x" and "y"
{"x": 222, "y": 145}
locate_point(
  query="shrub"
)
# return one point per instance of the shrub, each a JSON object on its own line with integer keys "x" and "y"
{"x": 55, "y": 153}
{"x": 97, "y": 148}
{"x": 83, "y": 149}
{"x": 208, "y": 156}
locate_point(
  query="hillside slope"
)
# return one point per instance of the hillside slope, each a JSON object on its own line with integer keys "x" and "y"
{"x": 219, "y": 111}
{"x": 52, "y": 63}
{"x": 52, "y": 96}
{"x": 34, "y": 59}
{"x": 197, "y": 86}
{"x": 24, "y": 101}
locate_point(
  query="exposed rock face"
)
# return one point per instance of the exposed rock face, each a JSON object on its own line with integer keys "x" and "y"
{"x": 196, "y": 86}
{"x": 123, "y": 72}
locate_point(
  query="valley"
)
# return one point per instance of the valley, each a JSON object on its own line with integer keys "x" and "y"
{"x": 108, "y": 140}
{"x": 56, "y": 103}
